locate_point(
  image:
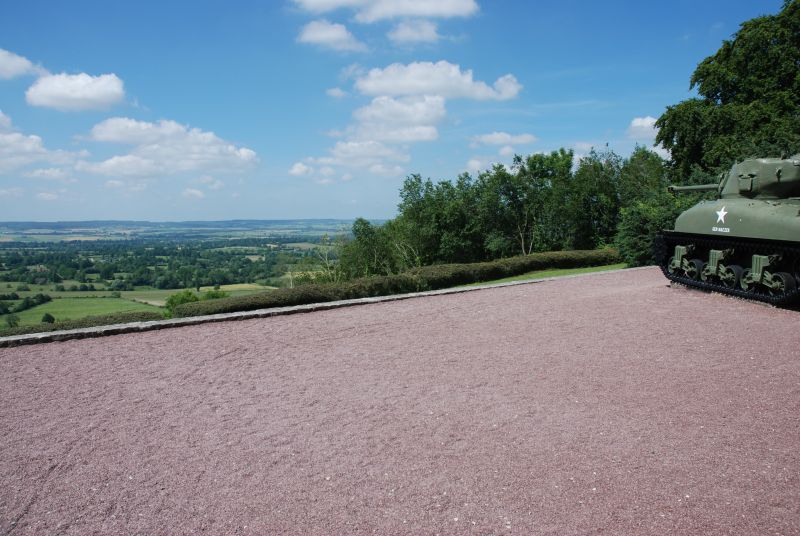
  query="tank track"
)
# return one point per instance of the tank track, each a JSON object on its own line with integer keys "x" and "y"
{"x": 664, "y": 245}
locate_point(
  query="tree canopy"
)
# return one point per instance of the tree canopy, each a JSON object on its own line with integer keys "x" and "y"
{"x": 749, "y": 99}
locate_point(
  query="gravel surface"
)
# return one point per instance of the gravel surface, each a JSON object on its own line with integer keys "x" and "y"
{"x": 605, "y": 404}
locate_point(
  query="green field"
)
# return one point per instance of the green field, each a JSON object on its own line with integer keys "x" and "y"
{"x": 74, "y": 308}
{"x": 541, "y": 274}
{"x": 159, "y": 297}
{"x": 152, "y": 296}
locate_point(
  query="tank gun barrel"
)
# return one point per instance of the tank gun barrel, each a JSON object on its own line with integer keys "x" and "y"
{"x": 693, "y": 188}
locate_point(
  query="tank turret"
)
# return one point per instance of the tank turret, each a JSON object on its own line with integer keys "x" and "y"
{"x": 745, "y": 241}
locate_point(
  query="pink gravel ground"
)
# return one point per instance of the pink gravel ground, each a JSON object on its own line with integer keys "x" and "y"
{"x": 605, "y": 404}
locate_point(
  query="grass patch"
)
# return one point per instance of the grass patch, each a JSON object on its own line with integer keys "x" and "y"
{"x": 159, "y": 297}
{"x": 541, "y": 274}
{"x": 75, "y": 308}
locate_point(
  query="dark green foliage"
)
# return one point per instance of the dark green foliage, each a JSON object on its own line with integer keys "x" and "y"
{"x": 593, "y": 200}
{"x": 12, "y": 320}
{"x": 640, "y": 222}
{"x": 421, "y": 278}
{"x": 213, "y": 294}
{"x": 86, "y": 322}
{"x": 30, "y": 302}
{"x": 47, "y": 318}
{"x": 179, "y": 298}
{"x": 160, "y": 263}
{"x": 312, "y": 293}
{"x": 537, "y": 205}
{"x": 371, "y": 251}
{"x": 749, "y": 99}
{"x": 448, "y": 275}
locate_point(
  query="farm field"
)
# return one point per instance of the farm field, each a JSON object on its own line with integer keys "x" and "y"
{"x": 75, "y": 308}
{"x": 73, "y": 305}
{"x": 159, "y": 297}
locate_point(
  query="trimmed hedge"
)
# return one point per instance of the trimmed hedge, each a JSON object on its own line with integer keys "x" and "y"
{"x": 364, "y": 287}
{"x": 424, "y": 278}
{"x": 448, "y": 275}
{"x": 86, "y": 322}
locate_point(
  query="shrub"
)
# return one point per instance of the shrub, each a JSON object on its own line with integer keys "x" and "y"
{"x": 423, "y": 278}
{"x": 12, "y": 320}
{"x": 47, "y": 318}
{"x": 86, "y": 322}
{"x": 179, "y": 298}
{"x": 215, "y": 294}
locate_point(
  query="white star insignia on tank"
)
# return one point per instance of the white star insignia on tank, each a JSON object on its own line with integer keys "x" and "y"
{"x": 721, "y": 215}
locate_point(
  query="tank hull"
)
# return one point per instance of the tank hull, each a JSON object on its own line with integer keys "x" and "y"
{"x": 764, "y": 219}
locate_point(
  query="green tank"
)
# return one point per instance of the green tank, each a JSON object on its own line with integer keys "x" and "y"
{"x": 746, "y": 241}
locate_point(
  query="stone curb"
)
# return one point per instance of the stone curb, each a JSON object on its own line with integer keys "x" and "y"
{"x": 134, "y": 327}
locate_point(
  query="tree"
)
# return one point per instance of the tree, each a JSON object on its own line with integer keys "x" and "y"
{"x": 47, "y": 318}
{"x": 179, "y": 298}
{"x": 549, "y": 180}
{"x": 12, "y": 320}
{"x": 749, "y": 102}
{"x": 642, "y": 219}
{"x": 643, "y": 175}
{"x": 593, "y": 204}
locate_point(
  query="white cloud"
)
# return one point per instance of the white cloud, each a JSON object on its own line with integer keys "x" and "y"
{"x": 126, "y": 165}
{"x": 384, "y": 169}
{"x": 19, "y": 150}
{"x": 414, "y": 31}
{"x": 336, "y": 92}
{"x": 211, "y": 183}
{"x": 506, "y": 150}
{"x": 642, "y": 128}
{"x": 354, "y": 70}
{"x": 11, "y": 192}
{"x": 12, "y": 66}
{"x": 76, "y": 92}
{"x": 327, "y": 171}
{"x": 583, "y": 146}
{"x": 363, "y": 154}
{"x": 193, "y": 193}
{"x": 113, "y": 183}
{"x": 402, "y": 120}
{"x": 5, "y": 122}
{"x": 330, "y": 35}
{"x": 299, "y": 169}
{"x": 441, "y": 78}
{"x": 52, "y": 174}
{"x": 476, "y": 165}
{"x": 502, "y": 138}
{"x": 375, "y": 10}
{"x": 165, "y": 147}
{"x": 47, "y": 196}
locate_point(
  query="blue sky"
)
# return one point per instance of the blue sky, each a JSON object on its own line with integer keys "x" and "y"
{"x": 319, "y": 108}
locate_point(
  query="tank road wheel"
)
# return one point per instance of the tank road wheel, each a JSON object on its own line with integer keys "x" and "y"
{"x": 783, "y": 283}
{"x": 744, "y": 281}
{"x": 731, "y": 276}
{"x": 694, "y": 268}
